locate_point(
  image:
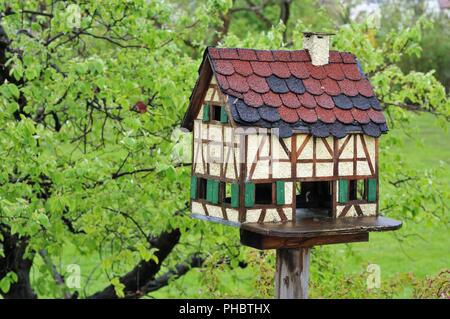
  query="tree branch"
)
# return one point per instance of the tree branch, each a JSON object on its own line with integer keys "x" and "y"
{"x": 285, "y": 10}
{"x": 144, "y": 271}
{"x": 133, "y": 46}
{"x": 144, "y": 170}
{"x": 162, "y": 281}
{"x": 59, "y": 279}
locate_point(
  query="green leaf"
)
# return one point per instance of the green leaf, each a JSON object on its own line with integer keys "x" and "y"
{"x": 118, "y": 287}
{"x": 7, "y": 280}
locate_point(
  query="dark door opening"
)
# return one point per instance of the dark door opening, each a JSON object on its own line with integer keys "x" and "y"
{"x": 314, "y": 199}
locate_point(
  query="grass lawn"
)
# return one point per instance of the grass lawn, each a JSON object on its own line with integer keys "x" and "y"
{"x": 426, "y": 250}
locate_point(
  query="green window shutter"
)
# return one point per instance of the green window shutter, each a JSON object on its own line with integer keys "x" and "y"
{"x": 215, "y": 195}
{"x": 193, "y": 187}
{"x": 372, "y": 189}
{"x": 205, "y": 113}
{"x": 249, "y": 194}
{"x": 223, "y": 115}
{"x": 343, "y": 191}
{"x": 208, "y": 190}
{"x": 280, "y": 193}
{"x": 212, "y": 191}
{"x": 234, "y": 195}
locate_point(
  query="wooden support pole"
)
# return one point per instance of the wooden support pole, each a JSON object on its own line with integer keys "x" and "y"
{"x": 292, "y": 273}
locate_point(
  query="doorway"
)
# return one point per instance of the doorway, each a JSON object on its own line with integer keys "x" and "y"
{"x": 314, "y": 199}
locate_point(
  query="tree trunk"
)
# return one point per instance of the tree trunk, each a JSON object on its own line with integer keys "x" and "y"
{"x": 14, "y": 260}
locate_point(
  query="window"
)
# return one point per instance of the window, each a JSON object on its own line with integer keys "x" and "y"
{"x": 357, "y": 190}
{"x": 201, "y": 188}
{"x": 314, "y": 194}
{"x": 216, "y": 111}
{"x": 263, "y": 193}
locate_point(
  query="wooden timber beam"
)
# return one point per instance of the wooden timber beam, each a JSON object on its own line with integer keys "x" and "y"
{"x": 262, "y": 242}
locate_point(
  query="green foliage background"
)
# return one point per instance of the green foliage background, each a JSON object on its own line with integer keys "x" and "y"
{"x": 85, "y": 180}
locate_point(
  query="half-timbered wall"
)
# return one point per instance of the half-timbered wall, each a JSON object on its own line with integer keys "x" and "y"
{"x": 216, "y": 155}
{"x": 216, "y": 151}
{"x": 269, "y": 215}
{"x": 356, "y": 209}
{"x": 215, "y": 211}
{"x": 304, "y": 157}
{"x": 216, "y": 148}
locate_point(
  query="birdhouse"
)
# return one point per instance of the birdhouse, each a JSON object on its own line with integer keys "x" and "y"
{"x": 285, "y": 146}
{"x": 282, "y": 133}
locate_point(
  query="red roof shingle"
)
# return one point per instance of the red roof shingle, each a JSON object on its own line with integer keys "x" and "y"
{"x": 289, "y": 89}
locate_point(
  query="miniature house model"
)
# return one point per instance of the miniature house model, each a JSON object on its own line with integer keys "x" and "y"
{"x": 279, "y": 134}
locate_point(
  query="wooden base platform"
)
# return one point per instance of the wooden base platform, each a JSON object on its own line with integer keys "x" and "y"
{"x": 310, "y": 232}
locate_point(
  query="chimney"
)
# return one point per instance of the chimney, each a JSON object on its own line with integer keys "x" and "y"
{"x": 318, "y": 46}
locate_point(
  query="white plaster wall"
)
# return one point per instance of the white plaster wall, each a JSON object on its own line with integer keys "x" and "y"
{"x": 228, "y": 134}
{"x": 209, "y": 94}
{"x": 233, "y": 215}
{"x": 277, "y": 150}
{"x": 288, "y": 192}
{"x": 307, "y": 152}
{"x": 362, "y": 168}
{"x": 214, "y": 211}
{"x": 229, "y": 159}
{"x": 304, "y": 169}
{"x": 214, "y": 169}
{"x": 253, "y": 215}
{"x": 371, "y": 147}
{"x": 200, "y": 114}
{"x": 197, "y": 208}
{"x": 204, "y": 130}
{"x": 215, "y": 132}
{"x": 214, "y": 95}
{"x": 281, "y": 170}
{"x": 369, "y": 209}
{"x": 359, "y": 147}
{"x": 324, "y": 169}
{"x": 262, "y": 170}
{"x": 199, "y": 166}
{"x": 272, "y": 216}
{"x": 197, "y": 124}
{"x": 348, "y": 150}
{"x": 346, "y": 169}
{"x": 321, "y": 150}
{"x": 289, "y": 212}
{"x": 264, "y": 166}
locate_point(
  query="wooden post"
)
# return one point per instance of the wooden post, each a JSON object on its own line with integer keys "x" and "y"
{"x": 292, "y": 273}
